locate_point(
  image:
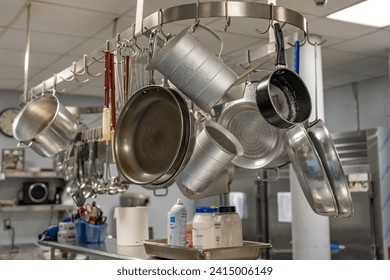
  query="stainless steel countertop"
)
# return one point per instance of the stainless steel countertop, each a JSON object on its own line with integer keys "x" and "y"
{"x": 105, "y": 250}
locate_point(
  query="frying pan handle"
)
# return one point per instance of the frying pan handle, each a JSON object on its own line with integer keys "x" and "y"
{"x": 280, "y": 54}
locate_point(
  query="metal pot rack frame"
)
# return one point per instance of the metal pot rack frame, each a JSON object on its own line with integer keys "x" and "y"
{"x": 196, "y": 11}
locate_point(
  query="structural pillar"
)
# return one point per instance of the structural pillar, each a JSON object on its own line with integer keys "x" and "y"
{"x": 310, "y": 231}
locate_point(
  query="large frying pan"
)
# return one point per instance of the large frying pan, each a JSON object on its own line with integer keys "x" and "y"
{"x": 152, "y": 136}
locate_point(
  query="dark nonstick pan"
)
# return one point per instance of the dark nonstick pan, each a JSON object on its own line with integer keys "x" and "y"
{"x": 282, "y": 97}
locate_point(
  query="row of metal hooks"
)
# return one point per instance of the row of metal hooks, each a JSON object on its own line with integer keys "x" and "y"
{"x": 131, "y": 45}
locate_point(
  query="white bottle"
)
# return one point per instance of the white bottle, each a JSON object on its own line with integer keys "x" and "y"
{"x": 203, "y": 229}
{"x": 178, "y": 224}
{"x": 231, "y": 227}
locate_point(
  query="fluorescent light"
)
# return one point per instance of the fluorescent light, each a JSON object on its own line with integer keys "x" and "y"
{"x": 370, "y": 12}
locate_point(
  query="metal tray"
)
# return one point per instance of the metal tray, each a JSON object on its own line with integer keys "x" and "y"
{"x": 249, "y": 251}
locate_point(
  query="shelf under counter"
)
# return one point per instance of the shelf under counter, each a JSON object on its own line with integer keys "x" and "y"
{"x": 104, "y": 250}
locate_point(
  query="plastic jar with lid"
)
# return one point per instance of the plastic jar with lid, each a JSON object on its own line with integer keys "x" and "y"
{"x": 231, "y": 226}
{"x": 203, "y": 233}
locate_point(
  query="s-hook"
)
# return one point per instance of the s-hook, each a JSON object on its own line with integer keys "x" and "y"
{"x": 227, "y": 18}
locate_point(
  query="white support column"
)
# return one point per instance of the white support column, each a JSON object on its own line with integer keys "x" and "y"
{"x": 310, "y": 231}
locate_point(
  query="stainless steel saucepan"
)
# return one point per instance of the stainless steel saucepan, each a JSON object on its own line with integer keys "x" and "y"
{"x": 45, "y": 125}
{"x": 282, "y": 96}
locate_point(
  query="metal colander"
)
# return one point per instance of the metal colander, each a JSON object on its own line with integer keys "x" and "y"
{"x": 260, "y": 140}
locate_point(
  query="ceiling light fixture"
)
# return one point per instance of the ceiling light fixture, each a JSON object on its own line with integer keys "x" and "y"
{"x": 370, "y": 12}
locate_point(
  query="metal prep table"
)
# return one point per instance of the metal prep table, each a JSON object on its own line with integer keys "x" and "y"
{"x": 104, "y": 250}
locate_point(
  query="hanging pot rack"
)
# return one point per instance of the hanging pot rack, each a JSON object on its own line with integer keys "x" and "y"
{"x": 196, "y": 11}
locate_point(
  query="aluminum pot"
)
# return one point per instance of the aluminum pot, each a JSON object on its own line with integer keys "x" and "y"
{"x": 214, "y": 150}
{"x": 45, "y": 125}
{"x": 282, "y": 97}
{"x": 193, "y": 69}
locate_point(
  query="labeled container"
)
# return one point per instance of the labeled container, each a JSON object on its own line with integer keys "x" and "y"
{"x": 88, "y": 233}
{"x": 203, "y": 229}
{"x": 178, "y": 224}
{"x": 230, "y": 234}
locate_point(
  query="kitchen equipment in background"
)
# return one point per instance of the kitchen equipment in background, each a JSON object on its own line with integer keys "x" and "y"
{"x": 131, "y": 225}
{"x": 260, "y": 140}
{"x": 310, "y": 171}
{"x": 34, "y": 193}
{"x": 282, "y": 97}
{"x": 214, "y": 149}
{"x": 131, "y": 199}
{"x": 239, "y": 201}
{"x": 12, "y": 160}
{"x": 193, "y": 69}
{"x": 45, "y": 125}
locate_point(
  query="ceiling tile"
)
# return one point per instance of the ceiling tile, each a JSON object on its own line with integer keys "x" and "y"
{"x": 113, "y": 6}
{"x": 9, "y": 83}
{"x": 63, "y": 20}
{"x": 11, "y": 58}
{"x": 39, "y": 42}
{"x": 87, "y": 47}
{"x": 376, "y": 43}
{"x": 309, "y": 7}
{"x": 337, "y": 29}
{"x": 333, "y": 58}
{"x": 9, "y": 9}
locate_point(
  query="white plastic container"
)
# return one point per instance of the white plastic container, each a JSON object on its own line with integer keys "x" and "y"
{"x": 178, "y": 224}
{"x": 203, "y": 230}
{"x": 231, "y": 227}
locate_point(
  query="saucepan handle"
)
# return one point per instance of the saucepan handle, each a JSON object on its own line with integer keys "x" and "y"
{"x": 280, "y": 54}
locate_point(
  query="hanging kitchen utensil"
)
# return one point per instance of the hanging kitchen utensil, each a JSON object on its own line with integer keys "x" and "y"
{"x": 45, "y": 125}
{"x": 154, "y": 131}
{"x": 260, "y": 140}
{"x": 193, "y": 69}
{"x": 281, "y": 159}
{"x": 106, "y": 118}
{"x": 282, "y": 97}
{"x": 310, "y": 171}
{"x": 327, "y": 152}
{"x": 215, "y": 147}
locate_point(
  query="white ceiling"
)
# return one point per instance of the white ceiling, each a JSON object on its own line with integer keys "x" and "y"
{"x": 63, "y": 31}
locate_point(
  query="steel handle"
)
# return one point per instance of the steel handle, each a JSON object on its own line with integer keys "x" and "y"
{"x": 23, "y": 146}
{"x": 212, "y": 32}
